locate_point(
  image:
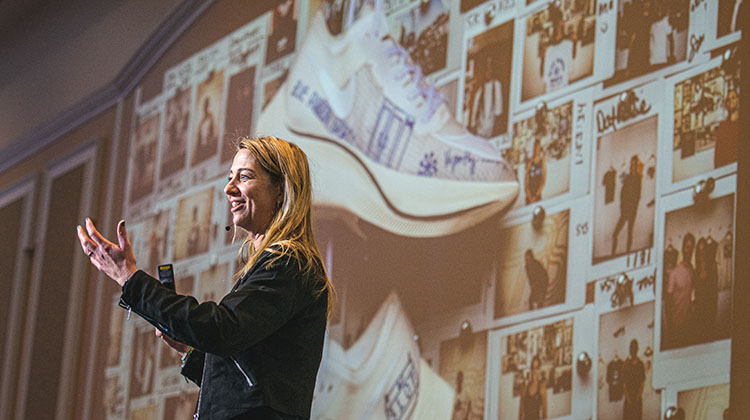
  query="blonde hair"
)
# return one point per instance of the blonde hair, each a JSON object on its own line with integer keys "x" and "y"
{"x": 290, "y": 231}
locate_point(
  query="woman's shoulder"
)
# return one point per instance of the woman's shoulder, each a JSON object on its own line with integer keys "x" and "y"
{"x": 289, "y": 256}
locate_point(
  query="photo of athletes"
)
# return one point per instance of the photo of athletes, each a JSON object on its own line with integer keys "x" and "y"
{"x": 540, "y": 153}
{"x": 558, "y": 47}
{"x": 536, "y": 372}
{"x": 697, "y": 273}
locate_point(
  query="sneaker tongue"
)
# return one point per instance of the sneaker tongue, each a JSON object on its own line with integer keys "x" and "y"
{"x": 370, "y": 21}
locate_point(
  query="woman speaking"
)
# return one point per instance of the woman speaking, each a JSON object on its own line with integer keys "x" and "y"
{"x": 256, "y": 353}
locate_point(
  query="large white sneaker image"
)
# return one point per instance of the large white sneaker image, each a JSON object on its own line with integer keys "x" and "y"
{"x": 381, "y": 141}
{"x": 381, "y": 376}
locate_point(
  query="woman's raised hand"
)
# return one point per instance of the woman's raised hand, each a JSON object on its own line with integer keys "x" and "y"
{"x": 116, "y": 261}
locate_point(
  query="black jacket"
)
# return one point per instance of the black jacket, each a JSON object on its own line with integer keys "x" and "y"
{"x": 260, "y": 346}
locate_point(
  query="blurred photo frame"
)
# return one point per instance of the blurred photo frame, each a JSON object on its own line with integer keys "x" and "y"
{"x": 207, "y": 117}
{"x": 625, "y": 360}
{"x": 694, "y": 290}
{"x": 193, "y": 224}
{"x": 240, "y": 111}
{"x": 423, "y": 32}
{"x": 623, "y": 184}
{"x": 545, "y": 349}
{"x": 282, "y": 33}
{"x": 463, "y": 365}
{"x": 550, "y": 151}
{"x": 566, "y": 47}
{"x": 655, "y": 38}
{"x": 485, "y": 88}
{"x": 533, "y": 276}
{"x": 701, "y": 128}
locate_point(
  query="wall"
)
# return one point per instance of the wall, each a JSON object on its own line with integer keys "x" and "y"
{"x": 417, "y": 211}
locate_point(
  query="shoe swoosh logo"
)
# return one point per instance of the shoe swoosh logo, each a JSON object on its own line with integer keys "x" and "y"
{"x": 340, "y": 100}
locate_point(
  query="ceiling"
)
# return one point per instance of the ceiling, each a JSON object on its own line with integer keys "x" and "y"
{"x": 56, "y": 54}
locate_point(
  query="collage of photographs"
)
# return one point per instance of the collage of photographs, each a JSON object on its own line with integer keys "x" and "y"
{"x": 526, "y": 207}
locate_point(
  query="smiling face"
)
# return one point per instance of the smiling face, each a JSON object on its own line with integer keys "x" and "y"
{"x": 252, "y": 194}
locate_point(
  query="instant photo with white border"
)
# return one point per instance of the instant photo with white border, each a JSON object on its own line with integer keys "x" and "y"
{"x": 565, "y": 149}
{"x": 485, "y": 86}
{"x": 689, "y": 46}
{"x": 625, "y": 167}
{"x": 688, "y": 361}
{"x": 627, "y": 303}
{"x": 708, "y": 112}
{"x": 519, "y": 291}
{"x": 138, "y": 202}
{"x": 572, "y": 63}
{"x": 568, "y": 404}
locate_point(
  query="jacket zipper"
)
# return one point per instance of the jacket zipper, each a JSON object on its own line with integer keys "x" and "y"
{"x": 197, "y": 414}
{"x": 247, "y": 378}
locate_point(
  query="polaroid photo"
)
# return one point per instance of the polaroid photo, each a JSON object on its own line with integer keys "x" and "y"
{"x": 240, "y": 112}
{"x": 486, "y": 85}
{"x": 694, "y": 292}
{"x": 654, "y": 39}
{"x": 700, "y": 124}
{"x": 532, "y": 372}
{"x": 532, "y": 275}
{"x": 549, "y": 152}
{"x": 173, "y": 147}
{"x": 724, "y": 22}
{"x": 282, "y": 30}
{"x": 463, "y": 365}
{"x": 625, "y": 357}
{"x": 114, "y": 332}
{"x": 214, "y": 282}
{"x": 143, "y": 160}
{"x": 624, "y": 187}
{"x": 332, "y": 11}
{"x": 423, "y": 32}
{"x": 193, "y": 223}
{"x": 566, "y": 46}
{"x": 142, "y": 361}
{"x": 207, "y": 122}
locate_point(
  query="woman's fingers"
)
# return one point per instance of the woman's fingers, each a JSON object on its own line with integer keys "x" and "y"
{"x": 95, "y": 235}
{"x": 122, "y": 236}
{"x": 87, "y": 244}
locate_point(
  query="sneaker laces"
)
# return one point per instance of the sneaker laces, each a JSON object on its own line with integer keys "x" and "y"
{"x": 424, "y": 88}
